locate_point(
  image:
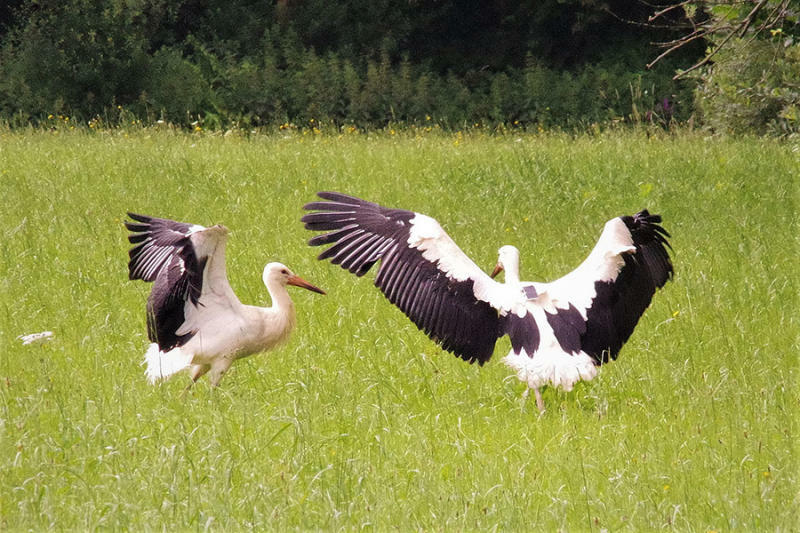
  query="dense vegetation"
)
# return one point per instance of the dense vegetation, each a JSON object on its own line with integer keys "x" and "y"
{"x": 549, "y": 63}
{"x": 542, "y": 63}
{"x": 749, "y": 77}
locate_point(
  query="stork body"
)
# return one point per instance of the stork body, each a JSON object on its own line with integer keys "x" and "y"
{"x": 560, "y": 331}
{"x": 194, "y": 319}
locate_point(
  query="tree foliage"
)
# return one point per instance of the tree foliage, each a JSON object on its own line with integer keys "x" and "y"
{"x": 749, "y": 76}
{"x": 551, "y": 62}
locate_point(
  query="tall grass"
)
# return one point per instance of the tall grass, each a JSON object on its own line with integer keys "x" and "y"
{"x": 360, "y": 422}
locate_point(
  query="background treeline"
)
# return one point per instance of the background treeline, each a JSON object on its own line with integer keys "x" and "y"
{"x": 561, "y": 63}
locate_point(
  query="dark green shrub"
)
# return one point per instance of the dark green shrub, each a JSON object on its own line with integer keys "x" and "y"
{"x": 73, "y": 57}
{"x": 175, "y": 88}
{"x": 209, "y": 62}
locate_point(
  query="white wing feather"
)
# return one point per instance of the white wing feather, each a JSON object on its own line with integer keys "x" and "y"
{"x": 436, "y": 246}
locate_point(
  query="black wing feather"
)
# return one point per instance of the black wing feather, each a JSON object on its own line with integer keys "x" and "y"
{"x": 620, "y": 303}
{"x": 164, "y": 254}
{"x": 363, "y": 233}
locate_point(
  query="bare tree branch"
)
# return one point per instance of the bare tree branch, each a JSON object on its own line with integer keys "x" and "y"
{"x": 727, "y": 31}
{"x": 748, "y": 20}
{"x": 706, "y": 59}
{"x": 679, "y": 43}
{"x": 658, "y": 14}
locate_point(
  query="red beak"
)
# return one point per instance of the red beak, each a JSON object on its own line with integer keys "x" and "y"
{"x": 497, "y": 269}
{"x": 297, "y": 281}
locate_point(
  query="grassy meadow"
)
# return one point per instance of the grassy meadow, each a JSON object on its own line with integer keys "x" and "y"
{"x": 361, "y": 422}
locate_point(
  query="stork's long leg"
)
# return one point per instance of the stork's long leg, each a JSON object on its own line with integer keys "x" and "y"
{"x": 538, "y": 394}
{"x": 539, "y": 401}
{"x": 196, "y": 373}
{"x": 218, "y": 370}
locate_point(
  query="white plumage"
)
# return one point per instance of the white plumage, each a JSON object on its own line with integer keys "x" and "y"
{"x": 560, "y": 331}
{"x": 194, "y": 319}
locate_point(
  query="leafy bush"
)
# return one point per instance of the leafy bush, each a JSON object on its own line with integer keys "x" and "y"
{"x": 73, "y": 56}
{"x": 753, "y": 86}
{"x": 175, "y": 88}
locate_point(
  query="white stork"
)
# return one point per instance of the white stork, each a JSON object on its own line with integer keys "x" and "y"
{"x": 560, "y": 331}
{"x": 193, "y": 317}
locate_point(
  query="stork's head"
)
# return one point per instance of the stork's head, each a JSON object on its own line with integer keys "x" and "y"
{"x": 508, "y": 260}
{"x": 280, "y": 274}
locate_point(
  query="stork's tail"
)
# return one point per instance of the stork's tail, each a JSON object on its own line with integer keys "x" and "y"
{"x": 552, "y": 367}
{"x": 161, "y": 365}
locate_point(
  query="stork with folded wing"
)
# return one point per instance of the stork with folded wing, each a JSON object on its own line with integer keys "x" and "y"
{"x": 194, "y": 319}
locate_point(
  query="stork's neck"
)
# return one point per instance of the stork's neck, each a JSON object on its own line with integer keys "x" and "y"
{"x": 511, "y": 268}
{"x": 280, "y": 297}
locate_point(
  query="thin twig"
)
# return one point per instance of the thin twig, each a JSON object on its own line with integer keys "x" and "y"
{"x": 706, "y": 59}
{"x": 675, "y": 47}
{"x": 685, "y": 39}
{"x": 748, "y": 20}
{"x": 636, "y": 23}
{"x": 657, "y": 14}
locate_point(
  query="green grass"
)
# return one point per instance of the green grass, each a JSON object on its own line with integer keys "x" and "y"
{"x": 360, "y": 422}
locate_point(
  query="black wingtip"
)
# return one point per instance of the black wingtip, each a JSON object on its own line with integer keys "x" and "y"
{"x": 337, "y": 196}
{"x": 140, "y": 224}
{"x": 651, "y": 238}
{"x": 340, "y": 197}
{"x": 139, "y": 218}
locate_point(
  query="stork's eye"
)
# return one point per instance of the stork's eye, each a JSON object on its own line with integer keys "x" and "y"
{"x": 284, "y": 271}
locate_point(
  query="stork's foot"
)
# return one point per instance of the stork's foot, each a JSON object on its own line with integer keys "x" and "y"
{"x": 189, "y": 387}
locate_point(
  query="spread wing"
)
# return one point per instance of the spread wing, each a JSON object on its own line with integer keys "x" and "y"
{"x": 596, "y": 307}
{"x": 422, "y": 271}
